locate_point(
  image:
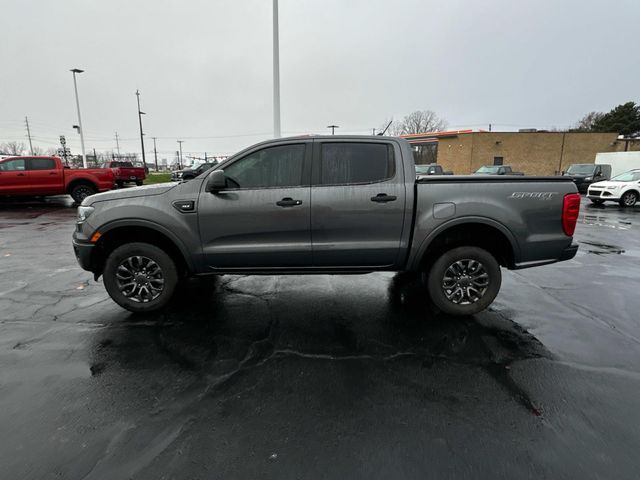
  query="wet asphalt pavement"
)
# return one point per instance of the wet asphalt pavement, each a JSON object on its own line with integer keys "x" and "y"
{"x": 318, "y": 376}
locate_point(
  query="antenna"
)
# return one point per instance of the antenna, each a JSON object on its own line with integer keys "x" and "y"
{"x": 385, "y": 128}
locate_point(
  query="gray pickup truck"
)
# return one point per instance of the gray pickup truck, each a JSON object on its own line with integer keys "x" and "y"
{"x": 323, "y": 205}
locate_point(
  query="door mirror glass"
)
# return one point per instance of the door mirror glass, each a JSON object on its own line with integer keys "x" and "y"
{"x": 216, "y": 181}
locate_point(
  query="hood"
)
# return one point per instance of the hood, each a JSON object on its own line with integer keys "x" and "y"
{"x": 143, "y": 191}
{"x": 607, "y": 183}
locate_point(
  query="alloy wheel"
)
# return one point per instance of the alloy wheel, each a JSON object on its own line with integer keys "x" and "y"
{"x": 140, "y": 279}
{"x": 465, "y": 281}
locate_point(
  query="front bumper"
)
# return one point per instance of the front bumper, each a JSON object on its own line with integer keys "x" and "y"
{"x": 602, "y": 195}
{"x": 83, "y": 252}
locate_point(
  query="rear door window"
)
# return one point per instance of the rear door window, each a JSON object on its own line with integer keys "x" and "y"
{"x": 41, "y": 164}
{"x": 346, "y": 163}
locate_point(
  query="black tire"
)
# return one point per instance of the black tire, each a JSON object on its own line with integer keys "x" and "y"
{"x": 629, "y": 199}
{"x": 485, "y": 280}
{"x": 139, "y": 182}
{"x": 82, "y": 191}
{"x": 120, "y": 184}
{"x": 596, "y": 202}
{"x": 131, "y": 298}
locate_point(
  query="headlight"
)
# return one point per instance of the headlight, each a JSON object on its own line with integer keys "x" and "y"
{"x": 588, "y": 179}
{"x": 84, "y": 212}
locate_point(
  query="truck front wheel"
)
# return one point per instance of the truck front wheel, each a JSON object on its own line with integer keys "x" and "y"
{"x": 140, "y": 277}
{"x": 464, "y": 280}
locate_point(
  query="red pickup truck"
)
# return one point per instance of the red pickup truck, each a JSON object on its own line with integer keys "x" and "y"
{"x": 125, "y": 172}
{"x": 43, "y": 176}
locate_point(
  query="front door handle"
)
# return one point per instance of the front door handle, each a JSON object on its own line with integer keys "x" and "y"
{"x": 22, "y": 175}
{"x": 53, "y": 173}
{"x": 289, "y": 202}
{"x": 383, "y": 198}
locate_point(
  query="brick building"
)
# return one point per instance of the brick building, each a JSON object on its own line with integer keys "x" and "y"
{"x": 534, "y": 153}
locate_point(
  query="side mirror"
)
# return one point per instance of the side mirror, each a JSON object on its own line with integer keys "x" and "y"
{"x": 216, "y": 181}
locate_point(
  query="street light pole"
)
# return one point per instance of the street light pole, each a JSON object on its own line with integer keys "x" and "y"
{"x": 75, "y": 87}
{"x": 276, "y": 73}
{"x": 144, "y": 160}
{"x": 333, "y": 128}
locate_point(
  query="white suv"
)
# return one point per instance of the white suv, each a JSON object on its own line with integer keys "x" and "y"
{"x": 624, "y": 189}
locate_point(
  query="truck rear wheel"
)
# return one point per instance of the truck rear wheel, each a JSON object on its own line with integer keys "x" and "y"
{"x": 140, "y": 277}
{"x": 464, "y": 280}
{"x": 81, "y": 191}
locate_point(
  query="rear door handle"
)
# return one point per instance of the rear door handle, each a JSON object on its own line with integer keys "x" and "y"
{"x": 22, "y": 175}
{"x": 383, "y": 198}
{"x": 289, "y": 202}
{"x": 53, "y": 173}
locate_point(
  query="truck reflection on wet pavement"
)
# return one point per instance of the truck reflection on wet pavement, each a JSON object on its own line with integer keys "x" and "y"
{"x": 318, "y": 376}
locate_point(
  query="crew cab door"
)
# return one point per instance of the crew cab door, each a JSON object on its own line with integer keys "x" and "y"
{"x": 45, "y": 177}
{"x": 357, "y": 203}
{"x": 13, "y": 177}
{"x": 262, "y": 218}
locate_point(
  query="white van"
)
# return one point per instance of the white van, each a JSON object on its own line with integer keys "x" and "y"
{"x": 620, "y": 161}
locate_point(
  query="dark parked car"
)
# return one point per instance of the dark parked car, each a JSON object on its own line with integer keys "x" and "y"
{"x": 584, "y": 174}
{"x": 496, "y": 170}
{"x": 431, "y": 169}
{"x": 191, "y": 173}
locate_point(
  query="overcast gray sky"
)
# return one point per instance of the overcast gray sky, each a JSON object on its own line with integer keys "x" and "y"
{"x": 204, "y": 67}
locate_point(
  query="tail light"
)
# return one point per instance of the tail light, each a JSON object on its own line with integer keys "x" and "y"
{"x": 570, "y": 211}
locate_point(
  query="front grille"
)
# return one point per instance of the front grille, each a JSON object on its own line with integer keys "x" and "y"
{"x": 595, "y": 192}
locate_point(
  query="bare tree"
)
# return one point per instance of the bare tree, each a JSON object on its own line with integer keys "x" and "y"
{"x": 420, "y": 121}
{"x": 12, "y": 148}
{"x": 586, "y": 123}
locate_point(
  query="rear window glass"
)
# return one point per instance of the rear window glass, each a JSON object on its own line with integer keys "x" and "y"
{"x": 353, "y": 163}
{"x": 41, "y": 164}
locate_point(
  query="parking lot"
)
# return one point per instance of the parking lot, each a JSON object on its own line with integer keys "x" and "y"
{"x": 318, "y": 376}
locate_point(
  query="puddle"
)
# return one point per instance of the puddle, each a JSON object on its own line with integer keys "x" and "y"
{"x": 603, "y": 249}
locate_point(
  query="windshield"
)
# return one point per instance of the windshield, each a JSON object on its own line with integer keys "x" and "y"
{"x": 581, "y": 169}
{"x": 488, "y": 169}
{"x": 631, "y": 176}
{"x": 423, "y": 168}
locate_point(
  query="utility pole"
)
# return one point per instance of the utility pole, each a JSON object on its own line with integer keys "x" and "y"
{"x": 333, "y": 128}
{"x": 489, "y": 127}
{"x": 80, "y": 129}
{"x": 373, "y": 131}
{"x": 155, "y": 152}
{"x": 276, "y": 72}
{"x": 117, "y": 144}
{"x": 144, "y": 159}
{"x": 26, "y": 121}
{"x": 180, "y": 157}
